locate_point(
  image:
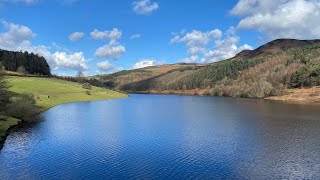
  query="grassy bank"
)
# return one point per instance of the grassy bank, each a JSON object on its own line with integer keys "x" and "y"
{"x": 50, "y": 92}
{"x": 5, "y": 124}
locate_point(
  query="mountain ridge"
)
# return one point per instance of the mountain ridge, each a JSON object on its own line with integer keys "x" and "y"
{"x": 276, "y": 45}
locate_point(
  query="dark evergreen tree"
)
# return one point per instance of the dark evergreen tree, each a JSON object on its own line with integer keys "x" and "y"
{"x": 33, "y": 64}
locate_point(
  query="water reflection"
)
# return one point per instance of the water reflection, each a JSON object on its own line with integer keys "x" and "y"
{"x": 167, "y": 137}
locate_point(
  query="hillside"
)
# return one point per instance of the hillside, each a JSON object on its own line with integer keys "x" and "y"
{"x": 269, "y": 70}
{"x": 120, "y": 79}
{"x": 50, "y": 92}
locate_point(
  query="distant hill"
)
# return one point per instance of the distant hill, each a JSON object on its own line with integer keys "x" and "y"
{"x": 266, "y": 71}
{"x": 119, "y": 79}
{"x": 24, "y": 62}
{"x": 276, "y": 46}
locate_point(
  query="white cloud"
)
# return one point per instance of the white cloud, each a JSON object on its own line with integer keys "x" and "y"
{"x": 146, "y": 63}
{"x": 110, "y": 51}
{"x": 225, "y": 45}
{"x": 76, "y": 36}
{"x": 113, "y": 35}
{"x": 19, "y": 37}
{"x": 107, "y": 67}
{"x": 16, "y": 36}
{"x": 196, "y": 41}
{"x": 144, "y": 7}
{"x": 113, "y": 49}
{"x": 65, "y": 61}
{"x": 224, "y": 49}
{"x": 247, "y": 7}
{"x": 280, "y": 18}
{"x": 191, "y": 59}
{"x": 135, "y": 36}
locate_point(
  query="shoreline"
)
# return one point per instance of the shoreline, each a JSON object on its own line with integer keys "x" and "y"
{"x": 3, "y": 138}
{"x": 20, "y": 122}
{"x": 304, "y": 96}
{"x": 10, "y": 124}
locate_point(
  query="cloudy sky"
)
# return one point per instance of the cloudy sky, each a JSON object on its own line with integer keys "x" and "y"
{"x": 96, "y": 36}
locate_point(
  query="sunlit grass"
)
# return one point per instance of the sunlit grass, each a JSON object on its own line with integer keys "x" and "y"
{"x": 51, "y": 91}
{"x": 5, "y": 124}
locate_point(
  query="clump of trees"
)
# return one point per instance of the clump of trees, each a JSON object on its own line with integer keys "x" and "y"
{"x": 88, "y": 93}
{"x": 4, "y": 94}
{"x": 23, "y": 107}
{"x": 308, "y": 74}
{"x": 87, "y": 86}
{"x": 253, "y": 89}
{"x": 23, "y": 61}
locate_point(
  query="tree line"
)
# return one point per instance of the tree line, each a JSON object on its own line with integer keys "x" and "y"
{"x": 24, "y": 62}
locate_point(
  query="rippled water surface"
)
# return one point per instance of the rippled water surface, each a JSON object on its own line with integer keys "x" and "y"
{"x": 167, "y": 137}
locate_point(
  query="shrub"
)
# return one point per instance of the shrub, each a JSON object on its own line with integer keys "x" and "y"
{"x": 87, "y": 86}
{"x": 206, "y": 93}
{"x": 88, "y": 93}
{"x": 299, "y": 78}
{"x": 218, "y": 90}
{"x": 23, "y": 108}
{"x": 28, "y": 98}
{"x": 260, "y": 89}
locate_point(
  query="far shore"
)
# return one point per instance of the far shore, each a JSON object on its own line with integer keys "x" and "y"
{"x": 296, "y": 96}
{"x": 301, "y": 96}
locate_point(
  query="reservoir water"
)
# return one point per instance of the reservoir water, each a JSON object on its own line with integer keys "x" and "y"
{"x": 167, "y": 137}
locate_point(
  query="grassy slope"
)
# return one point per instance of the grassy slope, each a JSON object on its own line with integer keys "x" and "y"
{"x": 58, "y": 91}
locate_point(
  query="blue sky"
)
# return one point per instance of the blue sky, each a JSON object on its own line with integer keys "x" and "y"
{"x": 123, "y": 34}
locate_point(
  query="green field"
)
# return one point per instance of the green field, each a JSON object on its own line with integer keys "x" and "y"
{"x": 51, "y": 91}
